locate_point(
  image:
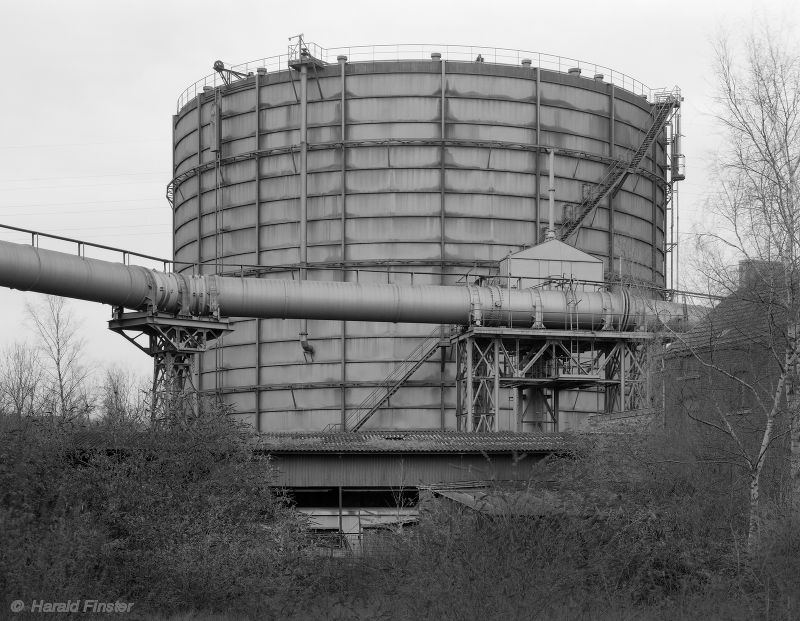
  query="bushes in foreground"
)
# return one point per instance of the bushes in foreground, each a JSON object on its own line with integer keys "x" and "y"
{"x": 170, "y": 520}
{"x": 185, "y": 521}
{"x": 635, "y": 536}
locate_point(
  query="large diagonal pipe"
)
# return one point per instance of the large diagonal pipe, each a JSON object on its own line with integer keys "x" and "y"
{"x": 135, "y": 287}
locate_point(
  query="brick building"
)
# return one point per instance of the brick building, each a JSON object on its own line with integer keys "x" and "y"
{"x": 720, "y": 378}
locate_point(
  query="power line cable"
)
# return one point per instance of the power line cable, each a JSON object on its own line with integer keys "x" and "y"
{"x": 69, "y": 187}
{"x": 79, "y": 144}
{"x": 36, "y": 214}
{"x": 141, "y": 174}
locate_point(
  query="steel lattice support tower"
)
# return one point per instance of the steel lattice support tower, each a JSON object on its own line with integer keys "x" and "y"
{"x": 491, "y": 361}
{"x": 172, "y": 341}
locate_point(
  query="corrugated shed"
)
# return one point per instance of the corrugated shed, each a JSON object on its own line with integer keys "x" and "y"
{"x": 380, "y": 470}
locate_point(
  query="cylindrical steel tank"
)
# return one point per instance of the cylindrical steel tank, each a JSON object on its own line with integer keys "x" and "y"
{"x": 412, "y": 172}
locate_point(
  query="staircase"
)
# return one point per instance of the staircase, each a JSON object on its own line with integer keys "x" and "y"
{"x": 423, "y": 352}
{"x": 615, "y": 175}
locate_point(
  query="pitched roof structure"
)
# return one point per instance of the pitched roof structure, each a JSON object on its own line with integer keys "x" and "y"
{"x": 751, "y": 316}
{"x": 553, "y": 249}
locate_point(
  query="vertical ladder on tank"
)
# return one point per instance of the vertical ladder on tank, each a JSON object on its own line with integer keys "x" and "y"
{"x": 423, "y": 352}
{"x": 616, "y": 174}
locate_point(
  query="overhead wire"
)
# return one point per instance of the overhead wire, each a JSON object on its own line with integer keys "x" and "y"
{"x": 69, "y": 187}
{"x": 125, "y": 200}
{"x": 139, "y": 174}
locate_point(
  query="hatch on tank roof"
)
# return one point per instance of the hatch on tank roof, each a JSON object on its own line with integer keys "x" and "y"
{"x": 552, "y": 262}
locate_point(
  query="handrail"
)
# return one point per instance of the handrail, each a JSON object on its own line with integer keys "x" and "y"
{"x": 82, "y": 245}
{"x": 409, "y": 51}
{"x": 615, "y": 175}
{"x": 398, "y": 375}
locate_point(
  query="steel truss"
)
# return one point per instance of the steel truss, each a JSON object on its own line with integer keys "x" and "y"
{"x": 493, "y": 361}
{"x": 172, "y": 342}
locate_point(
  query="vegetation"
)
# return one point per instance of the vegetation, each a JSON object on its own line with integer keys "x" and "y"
{"x": 639, "y": 534}
{"x": 757, "y": 219}
{"x": 170, "y": 520}
{"x": 185, "y": 523}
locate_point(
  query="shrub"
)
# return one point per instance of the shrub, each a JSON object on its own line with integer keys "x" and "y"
{"x": 171, "y": 520}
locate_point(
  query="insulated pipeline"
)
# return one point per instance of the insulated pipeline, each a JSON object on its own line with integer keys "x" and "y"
{"x": 32, "y": 269}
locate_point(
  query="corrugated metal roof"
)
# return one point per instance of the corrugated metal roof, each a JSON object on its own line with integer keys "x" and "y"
{"x": 754, "y": 315}
{"x": 415, "y": 442}
{"x": 363, "y": 442}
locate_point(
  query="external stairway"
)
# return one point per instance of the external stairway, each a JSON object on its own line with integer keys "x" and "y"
{"x": 616, "y": 174}
{"x": 375, "y": 400}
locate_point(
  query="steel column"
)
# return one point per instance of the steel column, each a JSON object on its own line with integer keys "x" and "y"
{"x": 219, "y": 208}
{"x": 303, "y": 233}
{"x": 442, "y": 220}
{"x": 303, "y": 210}
{"x": 537, "y": 155}
{"x": 612, "y": 149}
{"x": 199, "y": 184}
{"x": 622, "y": 363}
{"x": 470, "y": 413}
{"x": 343, "y": 249}
{"x": 496, "y": 369}
{"x": 257, "y": 393}
{"x": 654, "y": 213}
{"x": 199, "y": 263}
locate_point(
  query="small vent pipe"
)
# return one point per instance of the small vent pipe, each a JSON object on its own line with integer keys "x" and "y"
{"x": 551, "y": 210}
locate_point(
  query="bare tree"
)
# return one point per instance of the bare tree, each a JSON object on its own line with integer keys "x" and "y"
{"x": 62, "y": 349}
{"x": 20, "y": 380}
{"x": 726, "y": 376}
{"x": 757, "y": 223}
{"x": 124, "y": 398}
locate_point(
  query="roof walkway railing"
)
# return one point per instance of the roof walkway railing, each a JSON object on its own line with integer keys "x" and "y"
{"x": 423, "y": 51}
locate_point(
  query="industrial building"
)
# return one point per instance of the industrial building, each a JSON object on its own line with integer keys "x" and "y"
{"x": 723, "y": 376}
{"x": 404, "y": 261}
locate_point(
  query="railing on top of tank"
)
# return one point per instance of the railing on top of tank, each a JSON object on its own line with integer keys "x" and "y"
{"x": 399, "y": 52}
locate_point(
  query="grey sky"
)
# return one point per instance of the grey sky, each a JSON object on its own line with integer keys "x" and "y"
{"x": 90, "y": 87}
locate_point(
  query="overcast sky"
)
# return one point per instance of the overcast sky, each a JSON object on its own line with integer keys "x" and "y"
{"x": 90, "y": 87}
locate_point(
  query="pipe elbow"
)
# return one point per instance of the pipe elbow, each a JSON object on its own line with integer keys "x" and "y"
{"x": 308, "y": 349}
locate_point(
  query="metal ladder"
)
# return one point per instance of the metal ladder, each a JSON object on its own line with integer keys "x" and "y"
{"x": 423, "y": 352}
{"x": 616, "y": 174}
